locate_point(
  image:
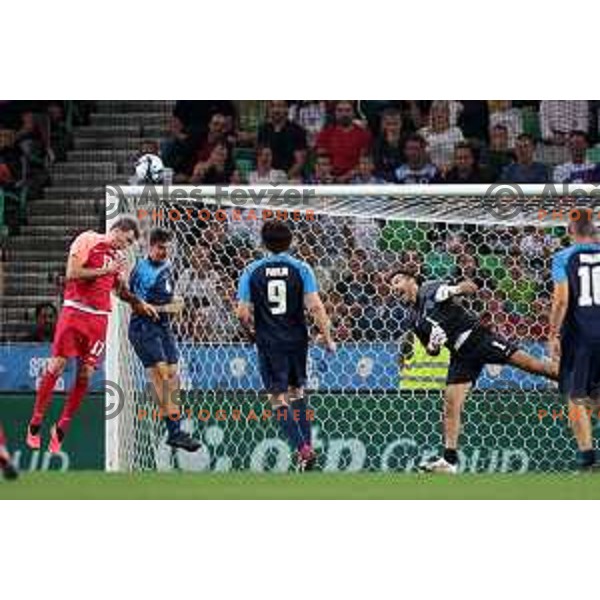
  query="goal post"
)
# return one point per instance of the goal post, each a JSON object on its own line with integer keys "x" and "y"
{"x": 377, "y": 402}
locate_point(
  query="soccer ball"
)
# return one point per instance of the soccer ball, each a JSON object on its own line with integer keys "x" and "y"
{"x": 149, "y": 169}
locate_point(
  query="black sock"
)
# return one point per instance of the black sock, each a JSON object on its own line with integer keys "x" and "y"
{"x": 450, "y": 455}
{"x": 173, "y": 425}
{"x": 587, "y": 458}
{"x": 303, "y": 422}
{"x": 283, "y": 416}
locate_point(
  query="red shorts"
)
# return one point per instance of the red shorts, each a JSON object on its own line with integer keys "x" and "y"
{"x": 80, "y": 334}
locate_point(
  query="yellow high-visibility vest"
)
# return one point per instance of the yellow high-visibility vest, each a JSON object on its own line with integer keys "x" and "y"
{"x": 422, "y": 371}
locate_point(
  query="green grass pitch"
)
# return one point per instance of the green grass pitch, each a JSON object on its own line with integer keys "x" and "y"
{"x": 317, "y": 485}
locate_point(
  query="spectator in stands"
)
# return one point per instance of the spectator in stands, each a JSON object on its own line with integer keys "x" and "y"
{"x": 416, "y": 169}
{"x": 45, "y": 321}
{"x": 311, "y": 115}
{"x": 178, "y": 151}
{"x": 559, "y": 117}
{"x": 498, "y": 154}
{"x": 344, "y": 141}
{"x": 465, "y": 168}
{"x": 440, "y": 135}
{"x": 32, "y": 142}
{"x": 524, "y": 170}
{"x": 387, "y": 149}
{"x": 196, "y": 115}
{"x": 473, "y": 120}
{"x": 11, "y": 165}
{"x": 286, "y": 139}
{"x": 502, "y": 112}
{"x": 217, "y": 169}
{"x": 60, "y": 139}
{"x": 265, "y": 173}
{"x": 578, "y": 169}
{"x": 323, "y": 171}
{"x": 216, "y": 134}
{"x": 365, "y": 173}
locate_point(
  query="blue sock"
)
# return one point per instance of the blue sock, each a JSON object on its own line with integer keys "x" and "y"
{"x": 303, "y": 422}
{"x": 289, "y": 427}
{"x": 173, "y": 426}
{"x": 586, "y": 458}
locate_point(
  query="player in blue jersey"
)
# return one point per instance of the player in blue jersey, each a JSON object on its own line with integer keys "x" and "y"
{"x": 153, "y": 340}
{"x": 272, "y": 295}
{"x": 575, "y": 329}
{"x": 439, "y": 320}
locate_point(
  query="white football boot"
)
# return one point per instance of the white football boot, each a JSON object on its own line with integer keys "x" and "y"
{"x": 437, "y": 465}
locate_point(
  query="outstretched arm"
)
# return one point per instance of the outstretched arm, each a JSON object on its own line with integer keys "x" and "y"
{"x": 464, "y": 288}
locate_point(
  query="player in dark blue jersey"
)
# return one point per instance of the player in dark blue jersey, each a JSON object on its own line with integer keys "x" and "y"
{"x": 272, "y": 294}
{"x": 438, "y": 320}
{"x": 153, "y": 340}
{"x": 575, "y": 329}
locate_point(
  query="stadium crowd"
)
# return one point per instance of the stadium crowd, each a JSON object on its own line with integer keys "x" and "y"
{"x": 319, "y": 142}
{"x": 385, "y": 141}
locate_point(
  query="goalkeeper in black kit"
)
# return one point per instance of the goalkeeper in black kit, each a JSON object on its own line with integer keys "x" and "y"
{"x": 439, "y": 320}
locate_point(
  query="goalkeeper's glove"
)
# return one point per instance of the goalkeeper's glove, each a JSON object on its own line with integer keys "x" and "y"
{"x": 437, "y": 338}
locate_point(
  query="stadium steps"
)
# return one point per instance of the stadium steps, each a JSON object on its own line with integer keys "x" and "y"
{"x": 90, "y": 170}
{"x": 107, "y": 155}
{"x": 118, "y": 141}
{"x": 77, "y": 207}
{"x": 112, "y": 131}
{"x": 91, "y": 221}
{"x": 21, "y": 242}
{"x": 158, "y": 120}
{"x": 40, "y": 267}
{"x": 135, "y": 106}
{"x": 31, "y": 283}
{"x": 27, "y": 302}
{"x": 38, "y": 231}
{"x": 102, "y": 154}
{"x": 82, "y": 191}
{"x": 21, "y": 258}
{"x": 16, "y": 313}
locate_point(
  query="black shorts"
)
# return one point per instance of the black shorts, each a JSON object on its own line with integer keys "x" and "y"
{"x": 580, "y": 370}
{"x": 282, "y": 368}
{"x": 481, "y": 348}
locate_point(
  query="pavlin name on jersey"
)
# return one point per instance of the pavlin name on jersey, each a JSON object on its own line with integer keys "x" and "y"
{"x": 277, "y": 271}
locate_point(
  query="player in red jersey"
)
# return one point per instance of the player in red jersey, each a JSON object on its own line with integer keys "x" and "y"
{"x": 6, "y": 466}
{"x": 95, "y": 267}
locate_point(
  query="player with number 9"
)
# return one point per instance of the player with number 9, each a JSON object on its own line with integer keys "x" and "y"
{"x": 272, "y": 294}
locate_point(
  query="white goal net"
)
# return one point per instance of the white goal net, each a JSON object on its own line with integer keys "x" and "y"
{"x": 377, "y": 401}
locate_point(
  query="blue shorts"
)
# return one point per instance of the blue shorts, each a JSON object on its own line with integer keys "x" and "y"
{"x": 153, "y": 343}
{"x": 281, "y": 368}
{"x": 580, "y": 370}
